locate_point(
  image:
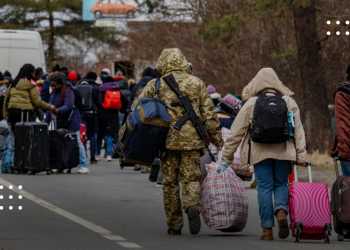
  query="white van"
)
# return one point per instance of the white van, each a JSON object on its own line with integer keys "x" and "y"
{"x": 18, "y": 47}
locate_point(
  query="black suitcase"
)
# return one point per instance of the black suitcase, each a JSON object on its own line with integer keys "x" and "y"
{"x": 31, "y": 148}
{"x": 341, "y": 205}
{"x": 64, "y": 150}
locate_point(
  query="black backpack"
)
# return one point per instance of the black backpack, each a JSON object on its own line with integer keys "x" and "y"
{"x": 85, "y": 91}
{"x": 270, "y": 119}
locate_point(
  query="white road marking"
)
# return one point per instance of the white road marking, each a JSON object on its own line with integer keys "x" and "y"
{"x": 105, "y": 233}
{"x": 129, "y": 245}
{"x": 114, "y": 237}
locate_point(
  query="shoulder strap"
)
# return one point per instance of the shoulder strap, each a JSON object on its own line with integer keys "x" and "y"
{"x": 158, "y": 83}
{"x": 173, "y": 85}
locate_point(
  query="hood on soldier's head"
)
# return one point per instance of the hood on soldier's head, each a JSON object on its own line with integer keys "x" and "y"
{"x": 172, "y": 60}
{"x": 266, "y": 78}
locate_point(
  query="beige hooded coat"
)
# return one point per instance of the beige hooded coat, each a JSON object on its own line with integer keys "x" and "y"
{"x": 290, "y": 151}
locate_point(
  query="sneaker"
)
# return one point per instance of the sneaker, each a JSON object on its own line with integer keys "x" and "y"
{"x": 194, "y": 220}
{"x": 99, "y": 157}
{"x": 83, "y": 171}
{"x": 283, "y": 227}
{"x": 109, "y": 158}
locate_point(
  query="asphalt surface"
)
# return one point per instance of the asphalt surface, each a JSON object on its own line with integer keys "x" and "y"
{"x": 111, "y": 209}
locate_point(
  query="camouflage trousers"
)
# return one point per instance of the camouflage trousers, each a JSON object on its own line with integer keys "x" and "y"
{"x": 180, "y": 167}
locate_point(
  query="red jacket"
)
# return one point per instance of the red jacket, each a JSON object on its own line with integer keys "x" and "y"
{"x": 342, "y": 116}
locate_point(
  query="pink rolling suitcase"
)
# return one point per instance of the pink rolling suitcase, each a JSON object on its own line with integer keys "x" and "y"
{"x": 309, "y": 209}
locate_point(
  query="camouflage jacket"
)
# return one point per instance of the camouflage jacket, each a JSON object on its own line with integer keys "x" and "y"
{"x": 172, "y": 61}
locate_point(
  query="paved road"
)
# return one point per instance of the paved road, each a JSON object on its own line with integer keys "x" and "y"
{"x": 106, "y": 210}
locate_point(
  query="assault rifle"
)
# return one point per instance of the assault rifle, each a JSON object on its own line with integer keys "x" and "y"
{"x": 189, "y": 113}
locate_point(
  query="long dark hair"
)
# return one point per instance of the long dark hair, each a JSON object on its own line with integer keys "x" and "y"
{"x": 26, "y": 72}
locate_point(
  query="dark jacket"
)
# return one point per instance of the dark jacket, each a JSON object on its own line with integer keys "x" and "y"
{"x": 342, "y": 116}
{"x": 68, "y": 115}
{"x": 140, "y": 86}
{"x": 108, "y": 119}
{"x": 95, "y": 92}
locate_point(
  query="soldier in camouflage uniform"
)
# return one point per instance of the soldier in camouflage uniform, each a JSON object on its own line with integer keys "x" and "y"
{"x": 181, "y": 162}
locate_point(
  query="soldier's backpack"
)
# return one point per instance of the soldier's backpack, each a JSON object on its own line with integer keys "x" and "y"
{"x": 143, "y": 136}
{"x": 86, "y": 93}
{"x": 270, "y": 119}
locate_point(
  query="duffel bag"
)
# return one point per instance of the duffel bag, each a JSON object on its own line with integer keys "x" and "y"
{"x": 224, "y": 201}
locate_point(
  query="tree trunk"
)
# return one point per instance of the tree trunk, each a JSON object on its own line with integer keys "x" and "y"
{"x": 51, "y": 41}
{"x": 316, "y": 115}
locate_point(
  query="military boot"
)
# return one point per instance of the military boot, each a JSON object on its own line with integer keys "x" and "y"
{"x": 194, "y": 220}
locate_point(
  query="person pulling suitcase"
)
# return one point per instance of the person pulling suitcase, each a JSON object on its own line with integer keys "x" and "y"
{"x": 68, "y": 116}
{"x": 270, "y": 142}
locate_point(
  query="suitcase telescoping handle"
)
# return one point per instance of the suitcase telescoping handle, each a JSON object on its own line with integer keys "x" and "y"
{"x": 309, "y": 171}
{"x": 22, "y": 116}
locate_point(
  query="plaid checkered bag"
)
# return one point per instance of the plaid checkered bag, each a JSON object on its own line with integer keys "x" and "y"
{"x": 224, "y": 202}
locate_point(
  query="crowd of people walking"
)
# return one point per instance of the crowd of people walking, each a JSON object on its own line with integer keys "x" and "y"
{"x": 260, "y": 132}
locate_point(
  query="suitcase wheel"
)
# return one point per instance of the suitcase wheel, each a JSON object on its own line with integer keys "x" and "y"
{"x": 298, "y": 232}
{"x": 340, "y": 237}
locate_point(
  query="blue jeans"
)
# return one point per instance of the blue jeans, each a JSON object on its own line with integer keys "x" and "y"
{"x": 109, "y": 145}
{"x": 272, "y": 180}
{"x": 93, "y": 146}
{"x": 82, "y": 152}
{"x": 345, "y": 165}
{"x": 9, "y": 153}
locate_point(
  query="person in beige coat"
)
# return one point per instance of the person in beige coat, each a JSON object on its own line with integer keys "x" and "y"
{"x": 272, "y": 162}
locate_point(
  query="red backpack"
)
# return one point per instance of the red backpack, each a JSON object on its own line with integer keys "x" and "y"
{"x": 112, "y": 100}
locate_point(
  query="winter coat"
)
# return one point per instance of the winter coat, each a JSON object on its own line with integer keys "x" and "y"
{"x": 68, "y": 116}
{"x": 342, "y": 116}
{"x": 291, "y": 150}
{"x": 25, "y": 96}
{"x": 172, "y": 61}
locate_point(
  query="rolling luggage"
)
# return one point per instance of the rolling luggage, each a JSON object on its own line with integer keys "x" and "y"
{"x": 309, "y": 209}
{"x": 64, "y": 150}
{"x": 31, "y": 148}
{"x": 224, "y": 202}
{"x": 341, "y": 205}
